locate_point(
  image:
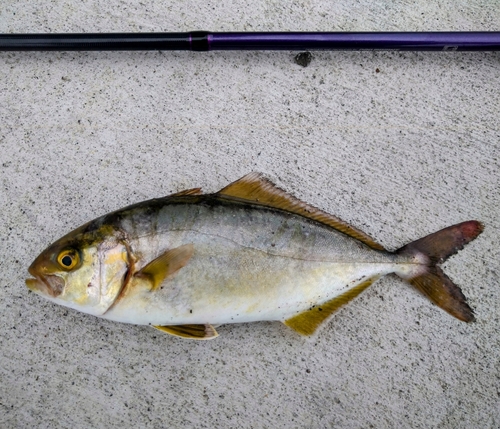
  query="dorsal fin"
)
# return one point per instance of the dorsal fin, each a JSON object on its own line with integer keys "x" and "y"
{"x": 193, "y": 191}
{"x": 257, "y": 189}
{"x": 307, "y": 322}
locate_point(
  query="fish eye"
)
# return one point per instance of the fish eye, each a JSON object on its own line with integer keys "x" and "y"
{"x": 68, "y": 259}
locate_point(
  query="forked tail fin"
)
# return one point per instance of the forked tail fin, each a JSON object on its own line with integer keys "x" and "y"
{"x": 432, "y": 281}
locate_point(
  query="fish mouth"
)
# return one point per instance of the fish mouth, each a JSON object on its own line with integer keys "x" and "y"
{"x": 51, "y": 285}
{"x": 35, "y": 284}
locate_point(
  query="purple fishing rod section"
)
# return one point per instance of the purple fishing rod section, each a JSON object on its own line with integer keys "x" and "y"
{"x": 272, "y": 41}
{"x": 432, "y": 41}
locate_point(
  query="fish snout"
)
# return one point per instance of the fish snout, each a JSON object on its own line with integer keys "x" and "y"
{"x": 32, "y": 270}
{"x": 34, "y": 284}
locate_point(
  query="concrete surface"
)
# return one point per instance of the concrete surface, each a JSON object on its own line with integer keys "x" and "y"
{"x": 398, "y": 144}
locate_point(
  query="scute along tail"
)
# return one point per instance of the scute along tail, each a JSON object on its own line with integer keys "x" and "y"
{"x": 432, "y": 282}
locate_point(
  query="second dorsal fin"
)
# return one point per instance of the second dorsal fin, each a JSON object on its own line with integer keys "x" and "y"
{"x": 257, "y": 189}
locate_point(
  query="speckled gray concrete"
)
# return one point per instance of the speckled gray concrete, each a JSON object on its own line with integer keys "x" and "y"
{"x": 398, "y": 144}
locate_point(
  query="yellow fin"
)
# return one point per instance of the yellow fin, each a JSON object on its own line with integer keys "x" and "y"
{"x": 194, "y": 332}
{"x": 193, "y": 191}
{"x": 166, "y": 264}
{"x": 256, "y": 189}
{"x": 307, "y": 322}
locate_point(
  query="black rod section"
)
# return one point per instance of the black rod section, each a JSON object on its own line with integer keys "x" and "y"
{"x": 192, "y": 41}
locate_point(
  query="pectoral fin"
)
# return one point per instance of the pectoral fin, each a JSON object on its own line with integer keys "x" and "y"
{"x": 309, "y": 321}
{"x": 166, "y": 264}
{"x": 194, "y": 332}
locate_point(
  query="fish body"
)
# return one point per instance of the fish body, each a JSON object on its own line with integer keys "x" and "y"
{"x": 250, "y": 263}
{"x": 248, "y": 253}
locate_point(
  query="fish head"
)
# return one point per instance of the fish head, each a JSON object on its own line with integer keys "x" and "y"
{"x": 84, "y": 270}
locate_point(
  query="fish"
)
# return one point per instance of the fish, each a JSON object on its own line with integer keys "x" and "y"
{"x": 189, "y": 262}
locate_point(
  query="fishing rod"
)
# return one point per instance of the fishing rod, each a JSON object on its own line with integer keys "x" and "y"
{"x": 260, "y": 41}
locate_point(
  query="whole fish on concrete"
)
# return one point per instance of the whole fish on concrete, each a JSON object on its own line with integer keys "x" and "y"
{"x": 249, "y": 252}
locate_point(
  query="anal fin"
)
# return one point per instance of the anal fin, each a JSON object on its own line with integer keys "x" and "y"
{"x": 307, "y": 322}
{"x": 193, "y": 332}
